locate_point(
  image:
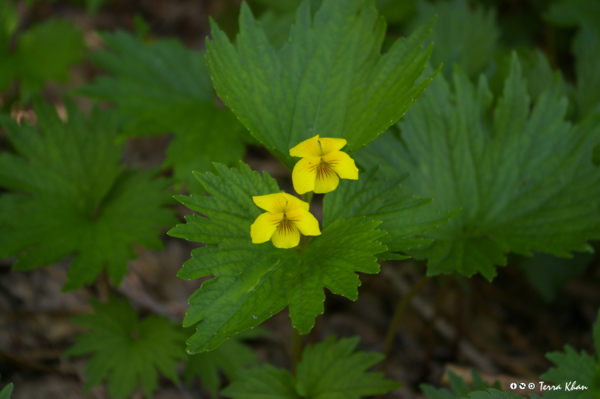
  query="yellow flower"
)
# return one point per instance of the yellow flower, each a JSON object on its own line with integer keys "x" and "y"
{"x": 285, "y": 219}
{"x": 322, "y": 165}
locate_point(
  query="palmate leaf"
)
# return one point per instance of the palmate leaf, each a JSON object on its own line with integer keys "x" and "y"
{"x": 70, "y": 196}
{"x": 127, "y": 351}
{"x": 230, "y": 358}
{"x": 525, "y": 181}
{"x": 329, "y": 370}
{"x": 459, "y": 387}
{"x": 403, "y": 215}
{"x": 571, "y": 366}
{"x": 329, "y": 79}
{"x": 165, "y": 88}
{"x": 462, "y": 35}
{"x": 254, "y": 281}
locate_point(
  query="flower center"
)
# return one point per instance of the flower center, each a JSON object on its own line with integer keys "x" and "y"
{"x": 285, "y": 226}
{"x": 324, "y": 170}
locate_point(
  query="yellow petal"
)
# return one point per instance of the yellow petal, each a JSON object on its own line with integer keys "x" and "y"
{"x": 286, "y": 235}
{"x": 342, "y": 164}
{"x": 265, "y": 226}
{"x": 305, "y": 174}
{"x": 274, "y": 203}
{"x": 307, "y": 148}
{"x": 294, "y": 203}
{"x": 305, "y": 222}
{"x": 327, "y": 180}
{"x": 329, "y": 145}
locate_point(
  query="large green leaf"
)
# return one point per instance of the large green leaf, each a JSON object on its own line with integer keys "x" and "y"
{"x": 165, "y": 88}
{"x": 328, "y": 79}
{"x": 496, "y": 394}
{"x": 524, "y": 178}
{"x": 127, "y": 351}
{"x": 462, "y": 35}
{"x": 70, "y": 196}
{"x": 328, "y": 370}
{"x": 255, "y": 281}
{"x": 404, "y": 217}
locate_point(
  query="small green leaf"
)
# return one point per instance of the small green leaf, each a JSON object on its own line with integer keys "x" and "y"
{"x": 230, "y": 357}
{"x": 331, "y": 370}
{"x": 523, "y": 177}
{"x": 255, "y": 281}
{"x": 127, "y": 351}
{"x": 462, "y": 35}
{"x": 586, "y": 48}
{"x": 459, "y": 387}
{"x": 328, "y": 79}
{"x": 575, "y": 369}
{"x": 266, "y": 382}
{"x": 496, "y": 394}
{"x": 547, "y": 273}
{"x": 574, "y": 12}
{"x": 6, "y": 391}
{"x": 70, "y": 196}
{"x": 165, "y": 88}
{"x": 45, "y": 51}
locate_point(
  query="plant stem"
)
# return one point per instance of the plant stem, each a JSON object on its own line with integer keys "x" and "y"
{"x": 296, "y": 349}
{"x": 307, "y": 197}
{"x": 397, "y": 318}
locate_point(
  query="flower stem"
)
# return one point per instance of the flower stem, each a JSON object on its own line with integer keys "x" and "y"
{"x": 397, "y": 318}
{"x": 307, "y": 197}
{"x": 296, "y": 349}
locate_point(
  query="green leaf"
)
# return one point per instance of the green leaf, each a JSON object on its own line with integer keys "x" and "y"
{"x": 232, "y": 356}
{"x": 266, "y": 382}
{"x": 70, "y": 196}
{"x": 404, "y": 216}
{"x": 462, "y": 35}
{"x": 328, "y": 79}
{"x": 575, "y": 369}
{"x": 45, "y": 52}
{"x": 328, "y": 370}
{"x": 586, "y": 48}
{"x": 162, "y": 88}
{"x": 6, "y": 391}
{"x": 255, "y": 281}
{"x": 127, "y": 351}
{"x": 331, "y": 370}
{"x": 548, "y": 274}
{"x": 459, "y": 387}
{"x": 574, "y": 12}
{"x": 523, "y": 178}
